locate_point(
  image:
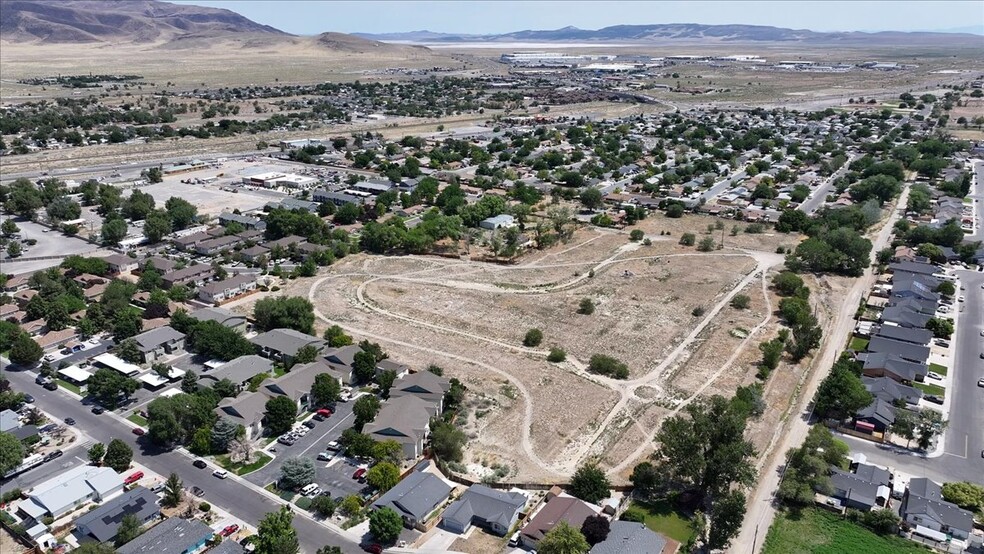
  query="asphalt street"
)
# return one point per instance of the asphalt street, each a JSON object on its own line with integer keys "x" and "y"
{"x": 230, "y": 494}
{"x": 819, "y": 195}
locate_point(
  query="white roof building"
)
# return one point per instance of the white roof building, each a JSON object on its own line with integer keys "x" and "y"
{"x": 115, "y": 363}
{"x": 69, "y": 490}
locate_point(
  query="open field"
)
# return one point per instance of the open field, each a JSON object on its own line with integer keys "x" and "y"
{"x": 812, "y": 531}
{"x": 541, "y": 419}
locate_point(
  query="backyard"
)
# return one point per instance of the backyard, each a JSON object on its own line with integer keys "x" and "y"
{"x": 663, "y": 518}
{"x": 813, "y": 531}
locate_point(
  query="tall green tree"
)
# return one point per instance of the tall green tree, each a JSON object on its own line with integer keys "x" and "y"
{"x": 96, "y": 453}
{"x": 118, "y": 456}
{"x": 25, "y": 351}
{"x": 325, "y": 390}
{"x": 128, "y": 530}
{"x": 384, "y": 476}
{"x": 590, "y": 484}
{"x": 173, "y": 491}
{"x": 563, "y": 539}
{"x": 11, "y": 452}
{"x": 276, "y": 535}
{"x": 385, "y": 525}
{"x": 279, "y": 415}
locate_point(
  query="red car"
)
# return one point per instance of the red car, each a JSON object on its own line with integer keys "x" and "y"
{"x": 229, "y": 530}
{"x": 133, "y": 478}
{"x": 359, "y": 473}
{"x": 138, "y": 431}
{"x": 373, "y": 548}
{"x": 323, "y": 412}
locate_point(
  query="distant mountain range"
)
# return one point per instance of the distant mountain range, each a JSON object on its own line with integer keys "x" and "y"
{"x": 678, "y": 32}
{"x": 140, "y": 21}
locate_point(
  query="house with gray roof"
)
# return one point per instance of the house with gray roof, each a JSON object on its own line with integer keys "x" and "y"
{"x": 882, "y": 364}
{"x": 891, "y": 391}
{"x": 171, "y": 536}
{"x": 9, "y": 419}
{"x": 856, "y": 492}
{"x": 156, "y": 343}
{"x": 905, "y": 334}
{"x": 905, "y": 317}
{"x": 69, "y": 490}
{"x": 915, "y": 304}
{"x": 119, "y": 263}
{"x": 225, "y": 218}
{"x": 493, "y": 510}
{"x": 226, "y": 289}
{"x": 214, "y": 246}
{"x": 915, "y": 287}
{"x": 283, "y": 344}
{"x": 916, "y": 353}
{"x": 336, "y": 198}
{"x": 240, "y": 370}
{"x": 415, "y": 497}
{"x": 877, "y": 416}
{"x": 629, "y": 537}
{"x": 246, "y": 410}
{"x": 424, "y": 385}
{"x": 341, "y": 360}
{"x": 102, "y": 523}
{"x": 297, "y": 383}
{"x": 923, "y": 506}
{"x": 405, "y": 420}
{"x": 913, "y": 267}
{"x": 222, "y": 316}
{"x": 192, "y": 276}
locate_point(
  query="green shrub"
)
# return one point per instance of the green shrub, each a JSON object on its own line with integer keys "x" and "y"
{"x": 205, "y": 507}
{"x": 688, "y": 239}
{"x": 587, "y": 307}
{"x": 634, "y": 514}
{"x": 303, "y": 503}
{"x": 636, "y": 235}
{"x": 556, "y": 355}
{"x": 533, "y": 338}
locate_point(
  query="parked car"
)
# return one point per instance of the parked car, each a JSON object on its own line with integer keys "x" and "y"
{"x": 228, "y": 530}
{"x": 98, "y": 410}
{"x": 53, "y": 455}
{"x": 324, "y": 412}
{"x": 28, "y": 399}
{"x": 158, "y": 487}
{"x": 319, "y": 417}
{"x": 373, "y": 548}
{"x": 138, "y": 431}
{"x": 334, "y": 446}
{"x": 980, "y": 382}
{"x": 359, "y": 473}
{"x": 934, "y": 375}
{"x": 197, "y": 491}
{"x": 220, "y": 473}
{"x": 51, "y": 385}
{"x": 200, "y": 464}
{"x": 133, "y": 478}
{"x": 324, "y": 456}
{"x": 69, "y": 421}
{"x": 933, "y": 398}
{"x": 41, "y": 379}
{"x": 310, "y": 424}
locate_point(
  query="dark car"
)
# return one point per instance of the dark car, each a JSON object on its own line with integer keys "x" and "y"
{"x": 373, "y": 548}
{"x": 310, "y": 424}
{"x": 200, "y": 464}
{"x": 40, "y": 380}
{"x": 53, "y": 454}
{"x": 318, "y": 417}
{"x": 51, "y": 385}
{"x": 98, "y": 410}
{"x": 934, "y": 399}
{"x": 69, "y": 421}
{"x": 28, "y": 399}
{"x": 138, "y": 431}
{"x": 197, "y": 491}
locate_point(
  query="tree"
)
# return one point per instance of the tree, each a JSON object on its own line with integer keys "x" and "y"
{"x": 595, "y": 529}
{"x": 8, "y": 228}
{"x": 14, "y": 249}
{"x": 608, "y": 366}
{"x": 181, "y": 212}
{"x": 138, "y": 205}
{"x": 385, "y": 381}
{"x": 113, "y": 231}
{"x": 841, "y": 394}
{"x": 173, "y": 490}
{"x": 63, "y": 208}
{"x": 787, "y": 283}
{"x": 94, "y": 548}
{"x": 175, "y": 419}
{"x": 325, "y": 390}
{"x": 118, "y": 456}
{"x": 941, "y": 328}
{"x": 211, "y": 339}
{"x": 324, "y": 506}
{"x": 591, "y": 198}
{"x": 306, "y": 354}
{"x": 946, "y": 288}
{"x": 645, "y": 479}
{"x": 11, "y": 452}
{"x": 279, "y": 415}
{"x": 128, "y": 351}
{"x": 590, "y": 484}
{"x": 931, "y": 423}
{"x": 225, "y": 388}
{"x": 336, "y": 337}
{"x": 25, "y": 351}
{"x": 740, "y": 302}
{"x": 727, "y": 513}
{"x": 384, "y": 476}
{"x": 156, "y": 226}
{"x": 447, "y": 441}
{"x": 969, "y": 496}
{"x": 388, "y": 451}
{"x": 563, "y": 539}
{"x": 106, "y": 386}
{"x": 586, "y": 307}
{"x": 96, "y": 453}
{"x": 128, "y": 530}
{"x": 276, "y": 535}
{"x": 296, "y": 473}
{"x": 364, "y": 367}
{"x": 808, "y": 467}
{"x": 293, "y": 312}
{"x": 533, "y": 338}
{"x": 223, "y": 433}
{"x": 356, "y": 443}
{"x": 904, "y": 425}
{"x": 189, "y": 382}
{"x": 201, "y": 442}
{"x": 884, "y": 521}
{"x": 365, "y": 410}
{"x": 385, "y": 525}
{"x": 556, "y": 355}
{"x": 127, "y": 323}
{"x": 706, "y": 244}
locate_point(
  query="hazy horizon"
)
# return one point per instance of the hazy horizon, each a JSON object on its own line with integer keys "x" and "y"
{"x": 485, "y": 17}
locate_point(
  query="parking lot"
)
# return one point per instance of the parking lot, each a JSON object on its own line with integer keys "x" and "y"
{"x": 49, "y": 243}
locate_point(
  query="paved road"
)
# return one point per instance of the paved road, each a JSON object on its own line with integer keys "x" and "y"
{"x": 819, "y": 195}
{"x": 230, "y": 494}
{"x": 72, "y": 455}
{"x": 722, "y": 185}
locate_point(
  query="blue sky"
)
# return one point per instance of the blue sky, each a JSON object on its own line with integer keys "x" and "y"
{"x": 479, "y": 16}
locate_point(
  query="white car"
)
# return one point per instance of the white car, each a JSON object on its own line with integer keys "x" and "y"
{"x": 960, "y": 299}
{"x": 934, "y": 375}
{"x": 220, "y": 473}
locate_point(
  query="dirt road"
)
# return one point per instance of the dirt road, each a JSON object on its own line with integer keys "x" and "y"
{"x": 761, "y": 510}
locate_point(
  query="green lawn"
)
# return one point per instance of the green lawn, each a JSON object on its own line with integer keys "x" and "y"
{"x": 138, "y": 419}
{"x": 931, "y": 389}
{"x": 241, "y": 469}
{"x": 941, "y": 369}
{"x": 663, "y": 518}
{"x": 858, "y": 344}
{"x": 69, "y": 386}
{"x": 814, "y": 531}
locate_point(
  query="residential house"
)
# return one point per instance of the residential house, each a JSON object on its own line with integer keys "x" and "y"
{"x": 877, "y": 417}
{"x": 923, "y": 507}
{"x": 69, "y": 490}
{"x": 161, "y": 265}
{"x": 913, "y": 267}
{"x": 252, "y": 223}
{"x": 188, "y": 242}
{"x": 9, "y": 419}
{"x": 405, "y": 420}
{"x": 498, "y": 222}
{"x": 240, "y": 371}
{"x": 297, "y": 384}
{"x": 916, "y": 353}
{"x": 424, "y": 385}
{"x": 192, "y": 276}
{"x": 493, "y": 510}
{"x": 415, "y": 497}
{"x": 336, "y": 198}
{"x": 119, "y": 263}
{"x": 914, "y": 304}
{"x": 25, "y": 433}
{"x": 283, "y": 344}
{"x": 905, "y": 334}
{"x": 905, "y": 317}
{"x": 559, "y": 508}
{"x": 214, "y": 246}
{"x": 341, "y": 360}
{"x": 220, "y": 291}
{"x": 629, "y": 537}
{"x": 226, "y": 318}
{"x": 171, "y": 536}
{"x": 53, "y": 340}
{"x": 891, "y": 391}
{"x": 892, "y": 366}
{"x": 253, "y": 253}
{"x": 246, "y": 410}
{"x": 915, "y": 288}
{"x": 285, "y": 242}
{"x": 857, "y": 491}
{"x": 158, "y": 342}
{"x": 102, "y": 523}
